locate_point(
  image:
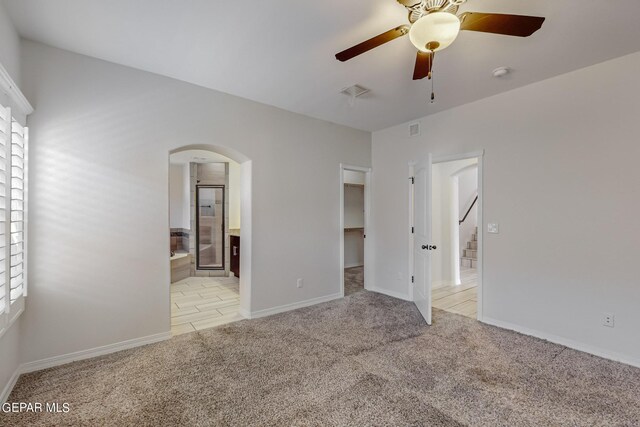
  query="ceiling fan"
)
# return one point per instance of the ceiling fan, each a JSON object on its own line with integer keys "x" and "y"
{"x": 434, "y": 25}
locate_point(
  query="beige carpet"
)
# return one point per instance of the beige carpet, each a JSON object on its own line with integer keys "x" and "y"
{"x": 365, "y": 360}
{"x": 353, "y": 280}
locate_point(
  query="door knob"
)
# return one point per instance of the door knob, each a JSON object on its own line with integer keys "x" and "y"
{"x": 429, "y": 247}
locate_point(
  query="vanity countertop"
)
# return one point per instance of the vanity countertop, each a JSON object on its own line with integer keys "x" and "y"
{"x": 234, "y": 232}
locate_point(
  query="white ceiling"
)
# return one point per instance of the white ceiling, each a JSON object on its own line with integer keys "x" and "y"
{"x": 281, "y": 52}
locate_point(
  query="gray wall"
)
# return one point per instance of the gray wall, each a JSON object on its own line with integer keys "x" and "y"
{"x": 101, "y": 136}
{"x": 561, "y": 178}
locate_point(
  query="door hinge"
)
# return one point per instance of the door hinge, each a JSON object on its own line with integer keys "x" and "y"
{"x": 412, "y": 230}
{"x": 413, "y": 180}
{"x": 412, "y": 279}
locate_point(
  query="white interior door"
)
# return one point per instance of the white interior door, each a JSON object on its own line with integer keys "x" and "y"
{"x": 422, "y": 245}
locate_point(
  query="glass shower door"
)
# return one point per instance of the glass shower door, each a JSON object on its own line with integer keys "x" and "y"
{"x": 210, "y": 227}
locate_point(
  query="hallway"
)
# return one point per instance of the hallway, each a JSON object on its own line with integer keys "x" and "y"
{"x": 459, "y": 299}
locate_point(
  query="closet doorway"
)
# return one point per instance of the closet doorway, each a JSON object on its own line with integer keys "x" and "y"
{"x": 354, "y": 218}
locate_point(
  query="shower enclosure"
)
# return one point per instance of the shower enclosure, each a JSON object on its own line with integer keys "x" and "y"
{"x": 210, "y": 227}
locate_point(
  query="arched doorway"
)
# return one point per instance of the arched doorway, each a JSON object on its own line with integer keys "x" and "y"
{"x": 209, "y": 215}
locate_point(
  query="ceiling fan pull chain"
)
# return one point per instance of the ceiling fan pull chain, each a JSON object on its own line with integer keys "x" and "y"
{"x": 433, "y": 95}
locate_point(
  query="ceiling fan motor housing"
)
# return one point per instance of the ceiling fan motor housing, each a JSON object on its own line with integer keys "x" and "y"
{"x": 419, "y": 8}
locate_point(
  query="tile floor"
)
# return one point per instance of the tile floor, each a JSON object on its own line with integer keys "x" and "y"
{"x": 461, "y": 299}
{"x": 204, "y": 302}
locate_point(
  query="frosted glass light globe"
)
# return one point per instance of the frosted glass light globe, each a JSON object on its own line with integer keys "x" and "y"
{"x": 439, "y": 27}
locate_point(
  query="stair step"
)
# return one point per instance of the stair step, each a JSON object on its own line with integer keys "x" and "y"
{"x": 470, "y": 253}
{"x": 472, "y": 245}
{"x": 468, "y": 262}
{"x": 474, "y": 237}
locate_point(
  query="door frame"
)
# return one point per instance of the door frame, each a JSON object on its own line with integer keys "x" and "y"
{"x": 442, "y": 159}
{"x": 368, "y": 262}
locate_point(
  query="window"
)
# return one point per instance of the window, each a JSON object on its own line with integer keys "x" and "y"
{"x": 13, "y": 208}
{"x": 18, "y": 166}
{"x": 5, "y": 138}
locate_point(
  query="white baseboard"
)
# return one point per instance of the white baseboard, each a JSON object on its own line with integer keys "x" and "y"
{"x": 293, "y": 306}
{"x": 244, "y": 313}
{"x": 92, "y": 352}
{"x": 596, "y": 351}
{"x": 394, "y": 294}
{"x": 50, "y": 362}
{"x": 353, "y": 265}
{"x": 6, "y": 391}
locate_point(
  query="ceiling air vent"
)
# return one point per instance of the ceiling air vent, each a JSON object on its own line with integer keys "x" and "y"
{"x": 414, "y": 129}
{"x": 355, "y": 91}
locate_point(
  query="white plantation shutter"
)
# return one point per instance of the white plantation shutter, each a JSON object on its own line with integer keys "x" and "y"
{"x": 5, "y": 138}
{"x": 19, "y": 137}
{"x": 13, "y": 208}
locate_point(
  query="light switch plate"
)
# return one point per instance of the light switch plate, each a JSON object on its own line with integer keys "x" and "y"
{"x": 493, "y": 227}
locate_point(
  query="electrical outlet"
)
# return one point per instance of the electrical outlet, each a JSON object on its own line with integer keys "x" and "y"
{"x": 300, "y": 283}
{"x": 608, "y": 319}
{"x": 493, "y": 228}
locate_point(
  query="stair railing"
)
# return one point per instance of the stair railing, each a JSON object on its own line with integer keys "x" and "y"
{"x": 468, "y": 210}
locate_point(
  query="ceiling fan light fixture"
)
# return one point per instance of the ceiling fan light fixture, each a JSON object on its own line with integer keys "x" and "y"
{"x": 435, "y": 31}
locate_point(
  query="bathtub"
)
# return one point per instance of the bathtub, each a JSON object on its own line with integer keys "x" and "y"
{"x": 180, "y": 266}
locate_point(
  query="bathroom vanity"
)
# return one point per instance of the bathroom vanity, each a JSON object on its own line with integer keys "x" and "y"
{"x": 234, "y": 240}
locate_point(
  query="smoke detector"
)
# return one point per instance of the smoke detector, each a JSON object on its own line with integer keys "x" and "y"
{"x": 501, "y": 72}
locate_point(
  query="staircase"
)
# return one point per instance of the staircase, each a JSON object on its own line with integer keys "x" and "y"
{"x": 469, "y": 256}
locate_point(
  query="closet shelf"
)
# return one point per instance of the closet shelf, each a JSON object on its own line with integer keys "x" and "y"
{"x": 354, "y": 229}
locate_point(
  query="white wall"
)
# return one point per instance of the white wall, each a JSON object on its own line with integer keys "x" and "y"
{"x": 10, "y": 60}
{"x": 353, "y": 206}
{"x": 353, "y": 248}
{"x": 235, "y": 193}
{"x": 101, "y": 137}
{"x": 179, "y": 196}
{"x": 9, "y": 46}
{"x": 561, "y": 179}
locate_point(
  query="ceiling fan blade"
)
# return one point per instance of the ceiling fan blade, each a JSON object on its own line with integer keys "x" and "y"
{"x": 510, "y": 25}
{"x": 424, "y": 64}
{"x": 376, "y": 41}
